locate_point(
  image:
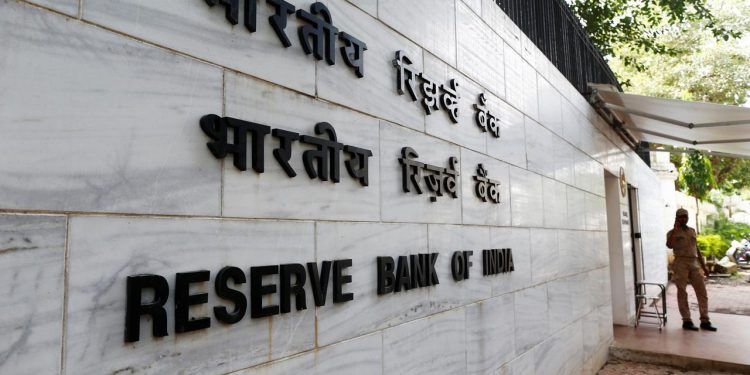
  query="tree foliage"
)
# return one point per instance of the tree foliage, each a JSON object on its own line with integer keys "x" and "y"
{"x": 638, "y": 24}
{"x": 731, "y": 175}
{"x": 685, "y": 49}
{"x": 698, "y": 67}
{"x": 696, "y": 175}
{"x": 727, "y": 231}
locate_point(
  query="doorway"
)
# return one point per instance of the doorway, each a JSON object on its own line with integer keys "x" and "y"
{"x": 625, "y": 260}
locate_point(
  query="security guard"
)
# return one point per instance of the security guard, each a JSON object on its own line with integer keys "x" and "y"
{"x": 687, "y": 266}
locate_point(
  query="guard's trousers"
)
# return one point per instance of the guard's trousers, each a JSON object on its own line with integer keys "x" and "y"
{"x": 689, "y": 269}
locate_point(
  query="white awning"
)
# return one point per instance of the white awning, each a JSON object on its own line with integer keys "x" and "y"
{"x": 719, "y": 129}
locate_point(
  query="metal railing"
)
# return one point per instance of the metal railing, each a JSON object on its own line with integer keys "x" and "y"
{"x": 555, "y": 30}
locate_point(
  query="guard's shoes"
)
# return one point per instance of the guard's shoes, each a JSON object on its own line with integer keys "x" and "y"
{"x": 688, "y": 325}
{"x": 706, "y": 326}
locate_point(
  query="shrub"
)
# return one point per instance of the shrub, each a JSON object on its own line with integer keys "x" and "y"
{"x": 711, "y": 245}
{"x": 728, "y": 231}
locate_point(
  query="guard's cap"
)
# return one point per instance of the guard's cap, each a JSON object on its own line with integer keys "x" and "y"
{"x": 681, "y": 211}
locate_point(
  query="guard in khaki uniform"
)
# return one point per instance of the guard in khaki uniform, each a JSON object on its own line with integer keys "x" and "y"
{"x": 687, "y": 266}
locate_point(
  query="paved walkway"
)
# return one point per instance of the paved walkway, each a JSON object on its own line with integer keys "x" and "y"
{"x": 728, "y": 349}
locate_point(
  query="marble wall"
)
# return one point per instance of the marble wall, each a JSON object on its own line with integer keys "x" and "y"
{"x": 106, "y": 174}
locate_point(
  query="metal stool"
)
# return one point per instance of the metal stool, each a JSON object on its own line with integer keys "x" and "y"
{"x": 644, "y": 300}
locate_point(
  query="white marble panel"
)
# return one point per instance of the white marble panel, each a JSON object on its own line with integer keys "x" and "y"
{"x": 581, "y": 170}
{"x": 105, "y": 250}
{"x": 601, "y": 144}
{"x": 475, "y": 5}
{"x": 526, "y": 198}
{"x": 597, "y": 178}
{"x": 580, "y": 298}
{"x": 606, "y": 331}
{"x": 447, "y": 239}
{"x": 518, "y": 240}
{"x": 397, "y": 205}
{"x": 99, "y": 122}
{"x": 561, "y": 353}
{"x": 588, "y": 256}
{"x": 530, "y": 91}
{"x": 560, "y": 304}
{"x": 565, "y": 161}
{"x": 501, "y": 24}
{"x": 514, "y": 78}
{"x": 555, "y": 203}
{"x": 32, "y": 259}
{"x": 576, "y": 208}
{"x": 273, "y": 194}
{"x": 375, "y": 93}
{"x": 199, "y": 30}
{"x": 363, "y": 353}
{"x": 368, "y": 312}
{"x": 540, "y": 148}
{"x": 511, "y": 146}
{"x": 545, "y": 259}
{"x": 411, "y": 348}
{"x": 465, "y": 133}
{"x": 479, "y": 51}
{"x": 69, "y": 7}
{"x": 588, "y": 139}
{"x": 590, "y": 333}
{"x": 550, "y": 106}
{"x": 474, "y": 210}
{"x": 369, "y": 6}
{"x": 529, "y": 51}
{"x": 531, "y": 317}
{"x": 429, "y": 23}
{"x": 599, "y": 287}
{"x": 490, "y": 334}
{"x": 521, "y": 365}
{"x": 596, "y": 360}
{"x": 493, "y": 15}
{"x": 573, "y": 248}
{"x": 596, "y": 212}
{"x": 571, "y": 123}
{"x": 600, "y": 247}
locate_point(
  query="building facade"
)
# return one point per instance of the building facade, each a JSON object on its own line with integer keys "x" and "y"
{"x": 211, "y": 186}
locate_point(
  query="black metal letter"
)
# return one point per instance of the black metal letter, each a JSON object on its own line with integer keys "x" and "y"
{"x": 403, "y": 281}
{"x": 353, "y": 52}
{"x": 258, "y": 290}
{"x": 467, "y": 263}
{"x": 234, "y": 295}
{"x": 418, "y": 272}
{"x": 322, "y": 32}
{"x": 135, "y": 307}
{"x": 339, "y": 279}
{"x": 217, "y": 128}
{"x": 457, "y": 266}
{"x": 325, "y": 149}
{"x": 183, "y": 300}
{"x": 284, "y": 152}
{"x": 386, "y": 277}
{"x": 357, "y": 166}
{"x": 319, "y": 282}
{"x": 287, "y": 288}
{"x": 278, "y": 19}
{"x": 431, "y": 270}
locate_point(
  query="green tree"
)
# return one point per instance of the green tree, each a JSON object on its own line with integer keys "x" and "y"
{"x": 731, "y": 174}
{"x": 696, "y": 178}
{"x": 698, "y": 67}
{"x": 638, "y": 25}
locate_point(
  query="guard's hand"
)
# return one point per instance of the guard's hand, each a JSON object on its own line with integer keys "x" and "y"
{"x": 705, "y": 271}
